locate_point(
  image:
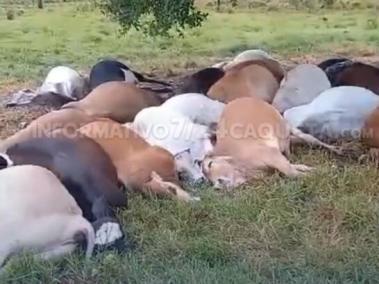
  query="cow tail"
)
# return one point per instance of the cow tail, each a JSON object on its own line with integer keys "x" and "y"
{"x": 90, "y": 239}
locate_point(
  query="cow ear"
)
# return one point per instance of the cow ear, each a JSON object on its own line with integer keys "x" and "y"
{"x": 5, "y": 161}
{"x": 181, "y": 153}
{"x": 213, "y": 128}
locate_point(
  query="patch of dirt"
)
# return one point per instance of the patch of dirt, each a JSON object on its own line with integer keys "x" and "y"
{"x": 15, "y": 118}
{"x": 9, "y": 86}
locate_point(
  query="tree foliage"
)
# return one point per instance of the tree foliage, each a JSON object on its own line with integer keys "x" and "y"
{"x": 154, "y": 17}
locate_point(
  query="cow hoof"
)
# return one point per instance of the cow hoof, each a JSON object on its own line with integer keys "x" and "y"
{"x": 108, "y": 233}
{"x": 300, "y": 170}
{"x": 195, "y": 199}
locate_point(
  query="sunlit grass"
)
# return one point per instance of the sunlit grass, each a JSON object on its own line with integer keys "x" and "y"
{"x": 322, "y": 228}
{"x": 66, "y": 34}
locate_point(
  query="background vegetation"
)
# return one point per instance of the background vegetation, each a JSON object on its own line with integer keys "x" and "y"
{"x": 319, "y": 229}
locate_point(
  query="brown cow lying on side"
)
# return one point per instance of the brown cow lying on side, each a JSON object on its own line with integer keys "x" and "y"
{"x": 67, "y": 120}
{"x": 259, "y": 78}
{"x": 252, "y": 138}
{"x": 272, "y": 65}
{"x": 355, "y": 74}
{"x": 119, "y": 101}
{"x": 141, "y": 167}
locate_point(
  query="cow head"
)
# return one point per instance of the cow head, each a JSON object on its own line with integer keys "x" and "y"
{"x": 188, "y": 169}
{"x": 223, "y": 172}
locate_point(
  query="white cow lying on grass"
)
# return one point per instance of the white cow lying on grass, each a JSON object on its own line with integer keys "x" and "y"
{"x": 62, "y": 85}
{"x": 38, "y": 214}
{"x": 65, "y": 82}
{"x": 335, "y": 114}
{"x": 187, "y": 141}
{"x": 197, "y": 107}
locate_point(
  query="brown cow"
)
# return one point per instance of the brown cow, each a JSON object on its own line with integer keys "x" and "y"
{"x": 252, "y": 138}
{"x": 119, "y": 101}
{"x": 356, "y": 74}
{"x": 370, "y": 131}
{"x": 259, "y": 78}
{"x": 141, "y": 167}
{"x": 39, "y": 215}
{"x": 67, "y": 120}
{"x": 370, "y": 135}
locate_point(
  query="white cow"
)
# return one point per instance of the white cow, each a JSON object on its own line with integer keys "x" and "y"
{"x": 336, "y": 113}
{"x": 64, "y": 81}
{"x": 197, "y": 107}
{"x": 37, "y": 214}
{"x": 187, "y": 141}
{"x": 300, "y": 86}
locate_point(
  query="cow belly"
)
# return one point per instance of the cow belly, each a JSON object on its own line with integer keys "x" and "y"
{"x": 37, "y": 234}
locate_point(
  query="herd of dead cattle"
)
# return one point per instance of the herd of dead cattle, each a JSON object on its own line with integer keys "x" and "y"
{"x": 63, "y": 174}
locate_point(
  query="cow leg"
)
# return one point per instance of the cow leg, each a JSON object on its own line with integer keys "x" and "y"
{"x": 57, "y": 251}
{"x": 182, "y": 195}
{"x": 102, "y": 209}
{"x": 157, "y": 192}
{"x": 3, "y": 258}
{"x": 165, "y": 189}
{"x": 107, "y": 228}
{"x": 300, "y": 137}
{"x": 278, "y": 161}
{"x": 371, "y": 156}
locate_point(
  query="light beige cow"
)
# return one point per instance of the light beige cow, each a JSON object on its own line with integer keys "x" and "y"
{"x": 251, "y": 54}
{"x": 39, "y": 215}
{"x": 252, "y": 139}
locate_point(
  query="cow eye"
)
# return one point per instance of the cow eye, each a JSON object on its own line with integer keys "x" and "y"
{"x": 198, "y": 163}
{"x": 210, "y": 164}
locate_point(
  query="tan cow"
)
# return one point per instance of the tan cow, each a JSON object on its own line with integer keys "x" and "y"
{"x": 370, "y": 135}
{"x": 141, "y": 167}
{"x": 66, "y": 120}
{"x": 370, "y": 131}
{"x": 259, "y": 78}
{"x": 39, "y": 215}
{"x": 119, "y": 101}
{"x": 252, "y": 138}
{"x": 274, "y": 66}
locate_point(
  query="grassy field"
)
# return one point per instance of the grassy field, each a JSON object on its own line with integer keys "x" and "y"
{"x": 323, "y": 228}
{"x": 39, "y": 40}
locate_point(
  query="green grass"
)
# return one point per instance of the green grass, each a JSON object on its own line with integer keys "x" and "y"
{"x": 77, "y": 36}
{"x": 319, "y": 229}
{"x": 322, "y": 228}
